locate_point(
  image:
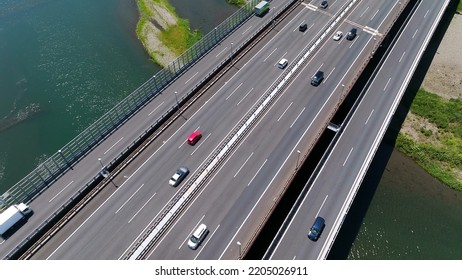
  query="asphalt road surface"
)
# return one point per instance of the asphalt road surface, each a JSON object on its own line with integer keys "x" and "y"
{"x": 336, "y": 184}
{"x": 74, "y": 179}
{"x": 240, "y": 194}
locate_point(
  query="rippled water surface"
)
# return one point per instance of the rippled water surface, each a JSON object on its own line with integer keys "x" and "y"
{"x": 411, "y": 216}
{"x": 63, "y": 63}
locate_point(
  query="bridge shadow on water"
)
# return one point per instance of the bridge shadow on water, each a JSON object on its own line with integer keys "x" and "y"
{"x": 352, "y": 224}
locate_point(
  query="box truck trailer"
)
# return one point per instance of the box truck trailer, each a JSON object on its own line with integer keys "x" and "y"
{"x": 12, "y": 215}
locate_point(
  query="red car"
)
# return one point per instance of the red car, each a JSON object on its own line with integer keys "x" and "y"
{"x": 194, "y": 137}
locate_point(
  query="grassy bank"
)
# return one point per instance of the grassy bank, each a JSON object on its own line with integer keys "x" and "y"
{"x": 163, "y": 33}
{"x": 459, "y": 7}
{"x": 437, "y": 142}
{"x": 178, "y": 37}
{"x": 238, "y": 3}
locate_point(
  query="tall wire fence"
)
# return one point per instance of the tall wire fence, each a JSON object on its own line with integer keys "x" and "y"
{"x": 57, "y": 164}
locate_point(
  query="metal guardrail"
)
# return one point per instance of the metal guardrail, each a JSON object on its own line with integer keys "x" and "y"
{"x": 172, "y": 204}
{"x": 326, "y": 31}
{"x": 85, "y": 189}
{"x": 52, "y": 168}
{"x": 363, "y": 171}
{"x": 317, "y": 169}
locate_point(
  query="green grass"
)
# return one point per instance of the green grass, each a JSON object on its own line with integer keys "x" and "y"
{"x": 459, "y": 7}
{"x": 177, "y": 38}
{"x": 445, "y": 114}
{"x": 441, "y": 154}
{"x": 431, "y": 159}
{"x": 238, "y": 3}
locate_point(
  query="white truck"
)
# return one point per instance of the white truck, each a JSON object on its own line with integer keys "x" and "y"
{"x": 12, "y": 215}
{"x": 261, "y": 8}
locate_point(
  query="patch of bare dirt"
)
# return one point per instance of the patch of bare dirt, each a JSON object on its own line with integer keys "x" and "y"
{"x": 155, "y": 47}
{"x": 160, "y": 19}
{"x": 444, "y": 76}
{"x": 161, "y": 15}
{"x": 415, "y": 126}
{"x": 458, "y": 173}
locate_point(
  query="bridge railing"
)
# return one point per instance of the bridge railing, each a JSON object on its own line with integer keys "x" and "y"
{"x": 57, "y": 164}
{"x": 165, "y": 218}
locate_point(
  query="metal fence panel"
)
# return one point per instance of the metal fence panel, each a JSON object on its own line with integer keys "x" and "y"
{"x": 50, "y": 170}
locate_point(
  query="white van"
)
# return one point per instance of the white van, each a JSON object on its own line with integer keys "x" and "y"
{"x": 283, "y": 63}
{"x": 198, "y": 236}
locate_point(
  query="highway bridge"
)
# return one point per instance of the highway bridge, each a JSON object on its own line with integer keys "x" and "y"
{"x": 358, "y": 141}
{"x": 259, "y": 124}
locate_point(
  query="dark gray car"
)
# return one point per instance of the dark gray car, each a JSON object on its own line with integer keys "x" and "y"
{"x": 316, "y": 229}
{"x": 317, "y": 78}
{"x": 351, "y": 34}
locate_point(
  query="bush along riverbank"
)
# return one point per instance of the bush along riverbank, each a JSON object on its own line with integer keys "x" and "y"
{"x": 433, "y": 137}
{"x": 162, "y": 32}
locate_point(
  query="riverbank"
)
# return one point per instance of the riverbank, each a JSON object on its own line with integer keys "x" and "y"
{"x": 432, "y": 132}
{"x": 162, "y": 32}
{"x": 238, "y": 3}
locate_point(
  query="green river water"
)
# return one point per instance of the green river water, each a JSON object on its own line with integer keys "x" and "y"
{"x": 64, "y": 63}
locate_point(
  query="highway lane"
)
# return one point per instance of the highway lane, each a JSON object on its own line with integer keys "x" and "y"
{"x": 66, "y": 186}
{"x": 259, "y": 165}
{"x": 357, "y": 144}
{"x": 215, "y": 117}
{"x": 372, "y": 14}
{"x": 144, "y": 195}
{"x": 97, "y": 228}
{"x": 259, "y": 159}
{"x": 249, "y": 175}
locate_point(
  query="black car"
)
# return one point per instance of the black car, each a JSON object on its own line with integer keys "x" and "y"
{"x": 324, "y": 4}
{"x": 351, "y": 34}
{"x": 317, "y": 78}
{"x": 303, "y": 27}
{"x": 316, "y": 229}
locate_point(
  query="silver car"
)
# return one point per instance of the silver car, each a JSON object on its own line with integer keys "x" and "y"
{"x": 198, "y": 236}
{"x": 179, "y": 175}
{"x": 338, "y": 35}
